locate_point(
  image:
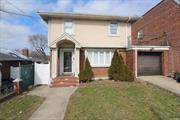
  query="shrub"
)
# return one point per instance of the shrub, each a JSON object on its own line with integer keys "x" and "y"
{"x": 118, "y": 70}
{"x": 129, "y": 76}
{"x": 86, "y": 75}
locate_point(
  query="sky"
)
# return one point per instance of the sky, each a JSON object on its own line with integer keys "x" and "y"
{"x": 15, "y": 29}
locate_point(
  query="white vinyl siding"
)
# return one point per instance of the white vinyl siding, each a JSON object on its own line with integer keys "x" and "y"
{"x": 100, "y": 57}
{"x": 69, "y": 27}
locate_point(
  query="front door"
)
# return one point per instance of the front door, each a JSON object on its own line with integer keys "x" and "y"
{"x": 67, "y": 66}
{"x": 66, "y": 61}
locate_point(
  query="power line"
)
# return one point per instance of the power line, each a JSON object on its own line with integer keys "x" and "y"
{"x": 10, "y": 12}
{"x": 19, "y": 14}
{"x": 14, "y": 6}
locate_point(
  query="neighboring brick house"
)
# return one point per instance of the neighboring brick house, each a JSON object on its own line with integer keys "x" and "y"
{"x": 72, "y": 37}
{"x": 155, "y": 47}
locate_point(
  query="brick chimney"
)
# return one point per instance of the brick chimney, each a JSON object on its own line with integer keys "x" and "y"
{"x": 25, "y": 52}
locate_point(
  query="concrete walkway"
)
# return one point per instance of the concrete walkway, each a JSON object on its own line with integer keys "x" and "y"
{"x": 54, "y": 107}
{"x": 163, "y": 82}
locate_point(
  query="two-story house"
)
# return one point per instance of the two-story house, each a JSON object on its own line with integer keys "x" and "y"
{"x": 155, "y": 48}
{"x": 73, "y": 37}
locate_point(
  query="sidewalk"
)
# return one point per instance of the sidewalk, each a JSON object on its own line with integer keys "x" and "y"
{"x": 54, "y": 107}
{"x": 163, "y": 82}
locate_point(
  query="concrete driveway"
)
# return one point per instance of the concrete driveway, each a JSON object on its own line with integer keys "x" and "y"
{"x": 54, "y": 107}
{"x": 163, "y": 82}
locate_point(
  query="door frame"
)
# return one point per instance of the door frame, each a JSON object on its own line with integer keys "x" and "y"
{"x": 62, "y": 50}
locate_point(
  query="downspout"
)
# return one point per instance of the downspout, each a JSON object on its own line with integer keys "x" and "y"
{"x": 128, "y": 20}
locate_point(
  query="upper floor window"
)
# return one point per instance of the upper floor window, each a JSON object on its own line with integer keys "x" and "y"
{"x": 113, "y": 28}
{"x": 69, "y": 27}
{"x": 140, "y": 34}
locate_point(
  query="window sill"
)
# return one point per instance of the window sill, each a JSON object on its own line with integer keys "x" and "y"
{"x": 101, "y": 66}
{"x": 113, "y": 35}
{"x": 73, "y": 34}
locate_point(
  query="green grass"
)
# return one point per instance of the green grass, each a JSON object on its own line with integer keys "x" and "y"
{"x": 20, "y": 107}
{"x": 123, "y": 101}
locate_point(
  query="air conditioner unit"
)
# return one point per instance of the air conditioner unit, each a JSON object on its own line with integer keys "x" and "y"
{"x": 140, "y": 34}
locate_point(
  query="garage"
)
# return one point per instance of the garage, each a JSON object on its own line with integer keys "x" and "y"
{"x": 149, "y": 63}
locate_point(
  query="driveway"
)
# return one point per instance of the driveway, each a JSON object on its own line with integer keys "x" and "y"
{"x": 54, "y": 107}
{"x": 163, "y": 82}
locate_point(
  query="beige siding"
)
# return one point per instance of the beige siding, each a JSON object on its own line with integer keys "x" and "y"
{"x": 55, "y": 29}
{"x": 92, "y": 33}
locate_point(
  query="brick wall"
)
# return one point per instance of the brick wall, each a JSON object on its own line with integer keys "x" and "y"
{"x": 130, "y": 60}
{"x": 100, "y": 71}
{"x": 165, "y": 17}
{"x": 165, "y": 63}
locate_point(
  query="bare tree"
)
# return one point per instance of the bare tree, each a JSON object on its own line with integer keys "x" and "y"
{"x": 39, "y": 43}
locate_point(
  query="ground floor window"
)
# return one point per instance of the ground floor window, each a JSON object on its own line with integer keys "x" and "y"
{"x": 100, "y": 57}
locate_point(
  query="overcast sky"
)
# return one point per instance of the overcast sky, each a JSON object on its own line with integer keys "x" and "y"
{"x": 15, "y": 29}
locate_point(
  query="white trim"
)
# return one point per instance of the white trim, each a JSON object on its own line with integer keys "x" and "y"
{"x": 161, "y": 48}
{"x": 62, "y": 50}
{"x": 73, "y": 26}
{"x": 136, "y": 53}
{"x": 76, "y": 61}
{"x": 109, "y": 31}
{"x": 66, "y": 36}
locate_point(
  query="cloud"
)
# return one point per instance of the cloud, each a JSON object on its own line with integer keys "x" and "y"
{"x": 14, "y": 30}
{"x": 63, "y": 5}
{"x": 14, "y": 36}
{"x": 118, "y": 7}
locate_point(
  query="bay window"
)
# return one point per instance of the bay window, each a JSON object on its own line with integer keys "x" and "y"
{"x": 100, "y": 58}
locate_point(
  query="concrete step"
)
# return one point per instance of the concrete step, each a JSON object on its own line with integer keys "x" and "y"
{"x": 65, "y": 84}
{"x": 65, "y": 81}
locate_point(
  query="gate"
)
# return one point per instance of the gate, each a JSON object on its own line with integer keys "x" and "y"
{"x": 27, "y": 76}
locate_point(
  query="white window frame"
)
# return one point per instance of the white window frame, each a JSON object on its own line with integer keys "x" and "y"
{"x": 73, "y": 26}
{"x": 109, "y": 29}
{"x": 111, "y": 51}
{"x": 140, "y": 34}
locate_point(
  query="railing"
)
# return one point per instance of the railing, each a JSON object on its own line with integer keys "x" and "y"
{"x": 149, "y": 40}
{"x": 6, "y": 89}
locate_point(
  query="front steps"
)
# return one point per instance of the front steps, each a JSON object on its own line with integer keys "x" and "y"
{"x": 65, "y": 81}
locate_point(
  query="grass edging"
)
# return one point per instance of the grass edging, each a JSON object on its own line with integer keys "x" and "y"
{"x": 149, "y": 83}
{"x": 20, "y": 107}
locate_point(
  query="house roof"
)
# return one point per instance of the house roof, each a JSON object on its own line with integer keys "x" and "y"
{"x": 65, "y": 36}
{"x": 9, "y": 55}
{"x": 175, "y": 1}
{"x": 47, "y": 15}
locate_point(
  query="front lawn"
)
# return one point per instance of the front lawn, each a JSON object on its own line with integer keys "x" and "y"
{"x": 122, "y": 101}
{"x": 20, "y": 107}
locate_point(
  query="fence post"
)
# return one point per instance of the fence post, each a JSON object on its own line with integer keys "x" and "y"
{"x": 18, "y": 85}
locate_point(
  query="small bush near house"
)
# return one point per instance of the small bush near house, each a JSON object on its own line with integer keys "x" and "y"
{"x": 118, "y": 70}
{"x": 129, "y": 76}
{"x": 86, "y": 75}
